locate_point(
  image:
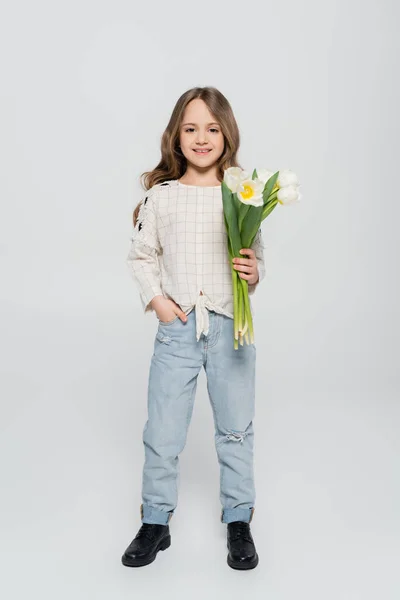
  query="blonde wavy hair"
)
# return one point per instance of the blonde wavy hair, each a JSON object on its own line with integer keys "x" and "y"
{"x": 173, "y": 163}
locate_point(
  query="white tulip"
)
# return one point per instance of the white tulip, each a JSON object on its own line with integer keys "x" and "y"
{"x": 286, "y": 177}
{"x": 264, "y": 175}
{"x": 288, "y": 194}
{"x": 233, "y": 176}
{"x": 250, "y": 191}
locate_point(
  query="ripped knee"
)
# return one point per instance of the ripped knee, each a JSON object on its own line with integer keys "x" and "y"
{"x": 234, "y": 435}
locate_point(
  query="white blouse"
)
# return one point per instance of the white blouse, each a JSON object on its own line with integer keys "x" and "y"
{"x": 179, "y": 248}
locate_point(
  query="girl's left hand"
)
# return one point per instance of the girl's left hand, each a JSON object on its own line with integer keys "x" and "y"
{"x": 247, "y": 267}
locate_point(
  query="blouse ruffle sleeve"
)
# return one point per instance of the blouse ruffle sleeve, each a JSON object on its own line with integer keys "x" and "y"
{"x": 142, "y": 260}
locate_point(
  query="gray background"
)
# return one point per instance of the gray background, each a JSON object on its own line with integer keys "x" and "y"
{"x": 87, "y": 89}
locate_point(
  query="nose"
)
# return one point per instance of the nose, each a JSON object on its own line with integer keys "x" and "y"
{"x": 201, "y": 137}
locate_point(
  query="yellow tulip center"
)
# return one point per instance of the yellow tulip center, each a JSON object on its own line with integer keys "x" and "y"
{"x": 247, "y": 193}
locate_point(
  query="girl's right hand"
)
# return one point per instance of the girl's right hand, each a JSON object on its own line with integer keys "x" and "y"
{"x": 166, "y": 309}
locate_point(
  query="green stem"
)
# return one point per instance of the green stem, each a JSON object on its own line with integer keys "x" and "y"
{"x": 245, "y": 289}
{"x": 235, "y": 303}
{"x": 268, "y": 208}
{"x": 240, "y": 303}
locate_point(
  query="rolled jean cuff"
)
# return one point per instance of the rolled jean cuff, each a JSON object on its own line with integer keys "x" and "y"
{"x": 148, "y": 514}
{"x": 228, "y": 515}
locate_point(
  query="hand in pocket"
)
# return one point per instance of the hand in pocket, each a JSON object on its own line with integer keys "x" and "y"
{"x": 166, "y": 309}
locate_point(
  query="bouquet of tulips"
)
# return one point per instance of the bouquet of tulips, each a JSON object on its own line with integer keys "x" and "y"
{"x": 247, "y": 201}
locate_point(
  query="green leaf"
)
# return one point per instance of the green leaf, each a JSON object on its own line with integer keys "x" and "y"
{"x": 229, "y": 240}
{"x": 251, "y": 225}
{"x": 254, "y": 176}
{"x": 250, "y": 222}
{"x": 230, "y": 201}
{"x": 243, "y": 209}
{"x": 269, "y": 186}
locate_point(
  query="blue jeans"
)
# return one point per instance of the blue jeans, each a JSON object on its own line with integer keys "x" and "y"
{"x": 174, "y": 368}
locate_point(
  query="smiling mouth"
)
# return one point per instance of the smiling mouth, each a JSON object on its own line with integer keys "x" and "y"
{"x": 202, "y": 151}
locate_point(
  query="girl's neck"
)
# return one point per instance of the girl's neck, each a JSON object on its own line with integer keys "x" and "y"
{"x": 208, "y": 179}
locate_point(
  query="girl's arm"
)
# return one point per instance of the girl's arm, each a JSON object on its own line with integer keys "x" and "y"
{"x": 258, "y": 247}
{"x": 142, "y": 259}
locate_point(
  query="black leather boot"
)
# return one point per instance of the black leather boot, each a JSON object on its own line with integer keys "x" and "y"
{"x": 242, "y": 552}
{"x": 144, "y": 547}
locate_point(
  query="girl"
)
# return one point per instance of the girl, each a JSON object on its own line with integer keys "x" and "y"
{"x": 179, "y": 260}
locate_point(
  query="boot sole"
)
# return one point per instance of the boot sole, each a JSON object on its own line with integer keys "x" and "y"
{"x": 141, "y": 562}
{"x": 242, "y": 566}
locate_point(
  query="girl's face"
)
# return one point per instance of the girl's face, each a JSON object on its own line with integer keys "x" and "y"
{"x": 201, "y": 139}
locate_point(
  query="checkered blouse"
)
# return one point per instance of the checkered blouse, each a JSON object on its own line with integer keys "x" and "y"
{"x": 179, "y": 249}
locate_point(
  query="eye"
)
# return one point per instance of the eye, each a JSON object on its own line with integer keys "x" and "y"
{"x": 211, "y": 129}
